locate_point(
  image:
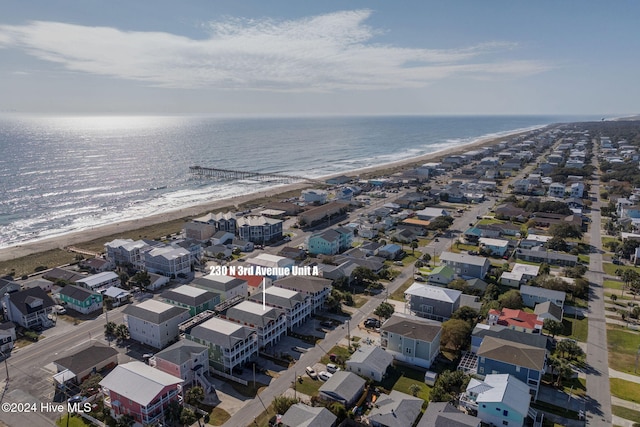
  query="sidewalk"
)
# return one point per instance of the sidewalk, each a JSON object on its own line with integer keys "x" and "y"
{"x": 629, "y": 377}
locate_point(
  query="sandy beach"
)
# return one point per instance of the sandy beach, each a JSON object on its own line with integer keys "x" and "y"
{"x": 75, "y": 238}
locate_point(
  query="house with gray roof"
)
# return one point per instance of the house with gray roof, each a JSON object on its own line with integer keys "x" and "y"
{"x": 548, "y": 310}
{"x": 483, "y": 330}
{"x": 270, "y": 323}
{"x": 187, "y": 360}
{"x": 301, "y": 415}
{"x": 226, "y": 286}
{"x": 395, "y": 409}
{"x": 539, "y": 254}
{"x": 296, "y": 306}
{"x": 369, "y": 361}
{"x": 196, "y": 300}
{"x": 466, "y": 266}
{"x": 86, "y": 361}
{"x": 317, "y": 288}
{"x": 411, "y": 339}
{"x": 154, "y": 322}
{"x": 29, "y": 308}
{"x": 344, "y": 387}
{"x": 80, "y": 299}
{"x": 432, "y": 302}
{"x": 532, "y": 295}
{"x": 444, "y": 414}
{"x": 230, "y": 344}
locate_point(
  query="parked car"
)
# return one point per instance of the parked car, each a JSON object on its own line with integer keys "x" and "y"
{"x": 324, "y": 376}
{"x": 326, "y": 324}
{"x": 419, "y": 278}
{"x": 332, "y": 368}
{"x": 311, "y": 372}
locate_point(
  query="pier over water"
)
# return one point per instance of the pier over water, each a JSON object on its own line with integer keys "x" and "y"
{"x": 233, "y": 175}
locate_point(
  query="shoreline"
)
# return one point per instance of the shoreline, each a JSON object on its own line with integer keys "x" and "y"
{"x": 84, "y": 236}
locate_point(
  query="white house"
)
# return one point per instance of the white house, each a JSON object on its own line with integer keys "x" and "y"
{"x": 270, "y": 323}
{"x": 168, "y": 261}
{"x": 369, "y": 361}
{"x": 499, "y": 399}
{"x": 100, "y": 281}
{"x": 519, "y": 275}
{"x": 317, "y": 288}
{"x": 297, "y": 306}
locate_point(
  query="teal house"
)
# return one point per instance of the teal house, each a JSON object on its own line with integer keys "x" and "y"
{"x": 80, "y": 299}
{"x": 195, "y": 299}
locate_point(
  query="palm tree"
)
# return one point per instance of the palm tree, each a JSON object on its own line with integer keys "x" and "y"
{"x": 122, "y": 332}
{"x": 413, "y": 245}
{"x": 110, "y": 329}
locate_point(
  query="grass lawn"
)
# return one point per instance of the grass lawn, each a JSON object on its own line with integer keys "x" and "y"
{"x": 625, "y": 389}
{"x": 308, "y": 386}
{"x": 26, "y": 265}
{"x": 218, "y": 416}
{"x": 606, "y": 239}
{"x": 612, "y": 284}
{"x": 404, "y": 385}
{"x": 411, "y": 256}
{"x": 576, "y": 329}
{"x": 579, "y": 386}
{"x": 626, "y": 413}
{"x": 623, "y": 345}
{"x": 557, "y": 410}
{"x": 401, "y": 378}
{"x": 489, "y": 221}
{"x": 340, "y": 351}
{"x": 398, "y": 294}
{"x": 74, "y": 421}
{"x": 584, "y": 258}
{"x": 610, "y": 268}
{"x": 359, "y": 301}
{"x": 461, "y": 247}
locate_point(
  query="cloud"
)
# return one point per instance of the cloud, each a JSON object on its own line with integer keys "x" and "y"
{"x": 329, "y": 52}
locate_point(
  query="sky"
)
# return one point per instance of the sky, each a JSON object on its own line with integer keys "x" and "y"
{"x": 331, "y": 57}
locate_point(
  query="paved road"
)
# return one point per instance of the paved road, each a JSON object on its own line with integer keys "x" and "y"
{"x": 598, "y": 403}
{"x": 30, "y": 379}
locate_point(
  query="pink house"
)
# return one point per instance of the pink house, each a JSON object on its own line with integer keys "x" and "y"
{"x": 140, "y": 391}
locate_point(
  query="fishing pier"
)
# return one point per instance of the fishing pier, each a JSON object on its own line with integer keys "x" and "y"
{"x": 234, "y": 175}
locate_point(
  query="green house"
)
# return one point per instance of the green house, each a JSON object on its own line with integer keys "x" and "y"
{"x": 442, "y": 275}
{"x": 80, "y": 299}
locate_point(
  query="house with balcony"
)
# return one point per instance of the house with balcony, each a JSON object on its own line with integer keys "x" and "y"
{"x": 28, "y": 308}
{"x": 466, "y": 266}
{"x": 187, "y": 360}
{"x": 317, "y": 288}
{"x": 140, "y": 391}
{"x": 331, "y": 241}
{"x": 270, "y": 323}
{"x": 168, "y": 261}
{"x": 259, "y": 229}
{"x": 227, "y": 287}
{"x": 230, "y": 344}
{"x": 196, "y": 300}
{"x": 296, "y": 306}
{"x": 556, "y": 189}
{"x": 154, "y": 322}
{"x": 411, "y": 339}
{"x": 499, "y": 399}
{"x": 525, "y": 362}
{"x": 220, "y": 221}
{"x": 314, "y": 196}
{"x": 495, "y": 247}
{"x": 80, "y": 299}
{"x": 432, "y": 302}
{"x": 127, "y": 251}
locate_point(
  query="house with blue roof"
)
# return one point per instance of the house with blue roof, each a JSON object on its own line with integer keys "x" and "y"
{"x": 390, "y": 251}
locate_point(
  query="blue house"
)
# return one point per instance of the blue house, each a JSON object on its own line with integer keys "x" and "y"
{"x": 330, "y": 242}
{"x": 390, "y": 251}
{"x": 525, "y": 362}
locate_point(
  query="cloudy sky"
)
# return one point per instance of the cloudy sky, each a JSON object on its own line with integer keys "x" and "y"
{"x": 329, "y": 57}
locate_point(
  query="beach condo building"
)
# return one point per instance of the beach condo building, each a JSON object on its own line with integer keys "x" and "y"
{"x": 168, "y": 261}
{"x": 194, "y": 299}
{"x": 296, "y": 306}
{"x": 317, "y": 288}
{"x": 432, "y": 302}
{"x": 154, "y": 323}
{"x": 314, "y": 196}
{"x": 330, "y": 242}
{"x": 100, "y": 281}
{"x": 270, "y": 323}
{"x": 259, "y": 229}
{"x": 125, "y": 252}
{"x": 80, "y": 299}
{"x": 229, "y": 343}
{"x": 466, "y": 266}
{"x": 187, "y": 360}
{"x": 227, "y": 287}
{"x": 140, "y": 391}
{"x": 29, "y": 308}
{"x": 322, "y": 213}
{"x": 220, "y": 221}
{"x": 411, "y": 339}
{"x": 200, "y": 231}
{"x": 262, "y": 262}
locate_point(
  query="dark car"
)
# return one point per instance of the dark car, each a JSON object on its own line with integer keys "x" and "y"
{"x": 326, "y": 324}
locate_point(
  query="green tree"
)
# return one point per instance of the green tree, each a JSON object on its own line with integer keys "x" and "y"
{"x": 467, "y": 314}
{"x": 187, "y": 417}
{"x": 172, "y": 414}
{"x": 511, "y": 299}
{"x": 426, "y": 257}
{"x": 339, "y": 411}
{"x": 122, "y": 332}
{"x": 544, "y": 269}
{"x": 141, "y": 279}
{"x": 491, "y": 293}
{"x": 364, "y": 276}
{"x": 627, "y": 275}
{"x": 281, "y": 404}
{"x": 413, "y": 246}
{"x": 557, "y": 243}
{"x": 195, "y": 395}
{"x": 384, "y": 310}
{"x": 110, "y": 329}
{"x": 456, "y": 334}
{"x": 91, "y": 384}
{"x": 569, "y": 350}
{"x": 553, "y": 326}
{"x": 125, "y": 420}
{"x": 449, "y": 385}
{"x": 565, "y": 231}
{"x": 414, "y": 389}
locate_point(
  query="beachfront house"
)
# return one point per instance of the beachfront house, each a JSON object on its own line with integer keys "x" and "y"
{"x": 259, "y": 229}
{"x": 168, "y": 261}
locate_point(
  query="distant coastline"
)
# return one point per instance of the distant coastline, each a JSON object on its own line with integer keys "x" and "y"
{"x": 78, "y": 237}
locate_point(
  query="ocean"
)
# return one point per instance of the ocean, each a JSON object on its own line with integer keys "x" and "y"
{"x": 65, "y": 174}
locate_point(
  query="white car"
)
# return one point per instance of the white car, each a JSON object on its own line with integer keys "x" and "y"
{"x": 332, "y": 368}
{"x": 311, "y": 372}
{"x": 324, "y": 376}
